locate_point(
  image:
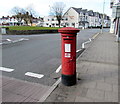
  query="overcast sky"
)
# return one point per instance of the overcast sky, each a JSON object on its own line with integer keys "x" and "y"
{"x": 42, "y": 7}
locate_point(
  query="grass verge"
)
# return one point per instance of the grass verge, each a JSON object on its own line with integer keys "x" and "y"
{"x": 31, "y": 28}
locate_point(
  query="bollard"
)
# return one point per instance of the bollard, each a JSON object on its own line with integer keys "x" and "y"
{"x": 68, "y": 55}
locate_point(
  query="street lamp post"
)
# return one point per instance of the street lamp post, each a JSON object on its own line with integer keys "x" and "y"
{"x": 103, "y": 16}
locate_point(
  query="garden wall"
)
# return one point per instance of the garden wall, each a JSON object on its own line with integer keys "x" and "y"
{"x": 27, "y": 32}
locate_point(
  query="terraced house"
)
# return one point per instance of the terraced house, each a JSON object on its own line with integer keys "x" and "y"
{"x": 9, "y": 21}
{"x": 78, "y": 18}
{"x": 13, "y": 21}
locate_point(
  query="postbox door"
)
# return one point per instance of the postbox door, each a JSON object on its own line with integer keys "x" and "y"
{"x": 69, "y": 56}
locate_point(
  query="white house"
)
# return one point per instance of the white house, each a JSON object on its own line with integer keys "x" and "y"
{"x": 91, "y": 18}
{"x": 10, "y": 21}
{"x": 97, "y": 19}
{"x": 51, "y": 21}
{"x": 72, "y": 18}
{"x": 83, "y": 18}
{"x": 77, "y": 17}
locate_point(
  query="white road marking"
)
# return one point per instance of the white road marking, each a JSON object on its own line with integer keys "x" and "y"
{"x": 31, "y": 74}
{"x": 58, "y": 69}
{"x": 6, "y": 69}
{"x": 19, "y": 40}
{"x": 9, "y": 40}
{"x": 25, "y": 39}
{"x": 78, "y": 50}
{"x": 90, "y": 39}
{"x": 83, "y": 45}
{"x": 15, "y": 41}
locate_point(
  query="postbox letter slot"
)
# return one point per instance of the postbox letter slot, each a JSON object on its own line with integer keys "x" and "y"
{"x": 68, "y": 39}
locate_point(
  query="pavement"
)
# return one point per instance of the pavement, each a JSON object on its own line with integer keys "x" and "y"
{"x": 97, "y": 78}
{"x": 97, "y": 74}
{"x": 15, "y": 90}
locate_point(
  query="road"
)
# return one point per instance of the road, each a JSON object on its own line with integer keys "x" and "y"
{"x": 39, "y": 54}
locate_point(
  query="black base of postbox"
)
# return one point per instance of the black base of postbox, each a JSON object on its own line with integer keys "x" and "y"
{"x": 68, "y": 80}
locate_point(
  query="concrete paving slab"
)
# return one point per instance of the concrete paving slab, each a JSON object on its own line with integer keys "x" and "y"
{"x": 11, "y": 97}
{"x": 104, "y": 86}
{"x": 15, "y": 90}
{"x": 83, "y": 99}
{"x": 111, "y": 96}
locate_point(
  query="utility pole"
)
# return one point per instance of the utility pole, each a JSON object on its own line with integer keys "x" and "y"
{"x": 103, "y": 16}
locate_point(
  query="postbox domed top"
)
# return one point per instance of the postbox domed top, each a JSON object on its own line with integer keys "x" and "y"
{"x": 68, "y": 30}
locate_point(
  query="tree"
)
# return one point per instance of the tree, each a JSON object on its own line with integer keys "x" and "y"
{"x": 18, "y": 13}
{"x": 28, "y": 18}
{"x": 26, "y": 14}
{"x": 57, "y": 10}
{"x": 16, "y": 10}
{"x": 31, "y": 11}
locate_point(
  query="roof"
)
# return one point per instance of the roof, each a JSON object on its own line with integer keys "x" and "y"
{"x": 84, "y": 11}
{"x": 90, "y": 13}
{"x": 78, "y": 10}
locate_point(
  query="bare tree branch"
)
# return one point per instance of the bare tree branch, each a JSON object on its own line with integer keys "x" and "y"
{"x": 17, "y": 10}
{"x": 57, "y": 10}
{"x": 31, "y": 10}
{"x": 24, "y": 14}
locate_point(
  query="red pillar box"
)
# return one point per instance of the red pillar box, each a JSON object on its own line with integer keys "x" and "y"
{"x": 68, "y": 54}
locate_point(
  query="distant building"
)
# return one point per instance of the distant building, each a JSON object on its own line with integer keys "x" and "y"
{"x": 12, "y": 21}
{"x": 37, "y": 22}
{"x": 50, "y": 21}
{"x": 78, "y": 18}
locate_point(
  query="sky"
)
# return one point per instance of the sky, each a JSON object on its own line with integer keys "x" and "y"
{"x": 42, "y": 7}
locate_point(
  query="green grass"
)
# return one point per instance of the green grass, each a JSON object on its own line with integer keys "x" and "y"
{"x": 31, "y": 28}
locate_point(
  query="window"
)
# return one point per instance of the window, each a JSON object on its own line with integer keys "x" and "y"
{"x": 73, "y": 24}
{"x": 62, "y": 24}
{"x": 53, "y": 24}
{"x": 67, "y": 24}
